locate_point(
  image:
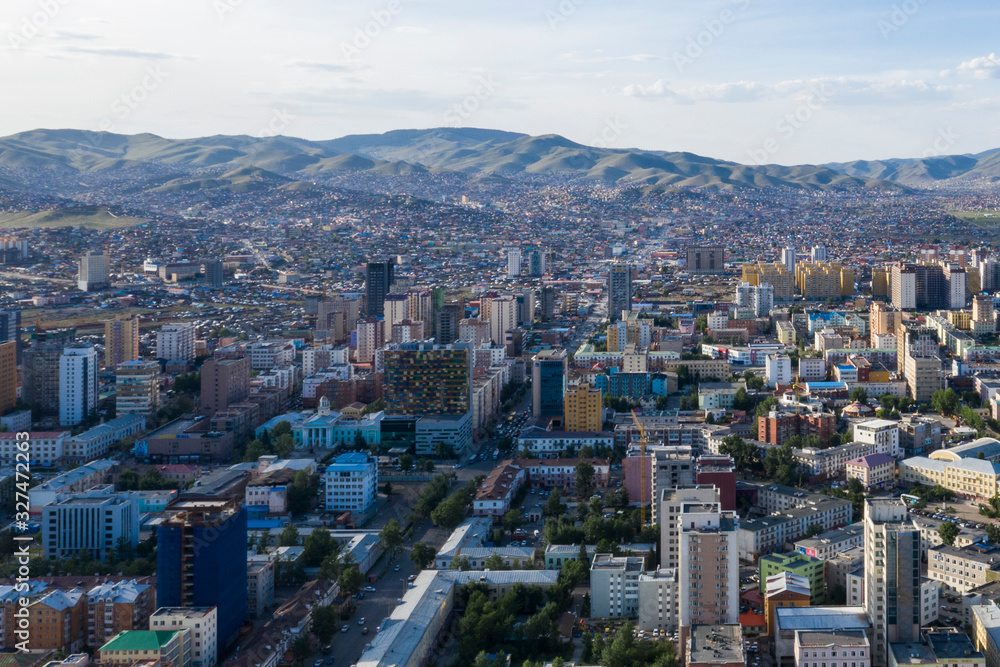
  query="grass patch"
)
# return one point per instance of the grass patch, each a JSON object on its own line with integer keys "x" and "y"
{"x": 983, "y": 218}
{"x": 91, "y": 217}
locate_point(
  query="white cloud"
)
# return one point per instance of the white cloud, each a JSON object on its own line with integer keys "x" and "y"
{"x": 660, "y": 88}
{"x": 984, "y": 67}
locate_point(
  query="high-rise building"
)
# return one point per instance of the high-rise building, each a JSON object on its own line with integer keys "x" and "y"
{"x": 214, "y": 274}
{"x": 137, "y": 387}
{"x": 525, "y": 307}
{"x": 883, "y": 319}
{"x": 904, "y": 287}
{"x": 824, "y": 280}
{"x": 121, "y": 341}
{"x": 201, "y": 622}
{"x": 513, "y": 262}
{"x": 351, "y": 483}
{"x": 371, "y": 336}
{"x": 90, "y": 523}
{"x": 671, "y": 501}
{"x": 77, "y": 383}
{"x": 201, "y": 560}
{"x": 892, "y": 576}
{"x": 614, "y": 582}
{"x": 881, "y": 282}
{"x": 583, "y": 409}
{"x": 548, "y": 378}
{"x": 709, "y": 563}
{"x": 94, "y": 272}
{"x": 502, "y": 318}
{"x": 775, "y": 274}
{"x": 983, "y": 314}
{"x": 548, "y": 303}
{"x": 426, "y": 379}
{"x": 397, "y": 309}
{"x": 956, "y": 285}
{"x": 819, "y": 253}
{"x": 8, "y": 376}
{"x": 175, "y": 342}
{"x": 763, "y": 299}
{"x": 788, "y": 259}
{"x": 10, "y": 328}
{"x": 446, "y": 324}
{"x": 619, "y": 290}
{"x": 777, "y": 369}
{"x": 706, "y": 259}
{"x": 923, "y": 377}
{"x": 379, "y": 278}
{"x": 538, "y": 263}
{"x": 224, "y": 382}
{"x": 422, "y": 307}
{"x": 40, "y": 370}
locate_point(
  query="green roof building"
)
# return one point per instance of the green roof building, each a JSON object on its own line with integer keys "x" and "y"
{"x": 126, "y": 647}
{"x": 813, "y": 569}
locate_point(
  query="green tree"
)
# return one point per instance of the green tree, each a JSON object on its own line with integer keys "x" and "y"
{"x": 350, "y": 579}
{"x": 584, "y": 479}
{"x": 324, "y": 623}
{"x": 813, "y": 530}
{"x": 461, "y": 564}
{"x": 448, "y": 514}
{"x": 301, "y": 649}
{"x": 553, "y": 506}
{"x": 945, "y": 401}
{"x": 302, "y": 492}
{"x": 513, "y": 520}
{"x": 780, "y": 465}
{"x": 746, "y": 455}
{"x": 318, "y": 546}
{"x": 406, "y": 461}
{"x": 255, "y": 450}
{"x": 859, "y": 395}
{"x": 289, "y": 536}
{"x": 391, "y": 537}
{"x": 948, "y": 531}
{"x": 494, "y": 562}
{"x": 283, "y": 446}
{"x": 484, "y": 659}
{"x": 422, "y": 555}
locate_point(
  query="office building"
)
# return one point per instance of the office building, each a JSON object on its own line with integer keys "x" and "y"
{"x": 10, "y": 328}
{"x": 351, "y": 483}
{"x": 77, "y": 383}
{"x": 214, "y": 275}
{"x": 223, "y": 383}
{"x": 548, "y": 378}
{"x": 137, "y": 387}
{"x": 614, "y": 585}
{"x": 446, "y": 323}
{"x": 525, "y": 307}
{"x": 121, "y": 341}
{"x": 619, "y": 290}
{"x": 706, "y": 259}
{"x": 422, "y": 378}
{"x": 201, "y": 561}
{"x": 513, "y": 262}
{"x": 379, "y": 278}
{"x": 201, "y": 622}
{"x": 788, "y": 259}
{"x": 175, "y": 342}
{"x": 40, "y": 370}
{"x": 94, "y": 272}
{"x": 91, "y": 524}
{"x": 583, "y": 409}
{"x": 882, "y": 434}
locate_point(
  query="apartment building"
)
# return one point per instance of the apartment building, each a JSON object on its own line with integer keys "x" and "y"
{"x": 495, "y": 496}
{"x": 614, "y": 585}
{"x": 201, "y": 622}
{"x": 960, "y": 569}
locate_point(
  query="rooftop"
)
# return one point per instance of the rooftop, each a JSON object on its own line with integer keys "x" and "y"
{"x": 716, "y": 644}
{"x": 139, "y": 640}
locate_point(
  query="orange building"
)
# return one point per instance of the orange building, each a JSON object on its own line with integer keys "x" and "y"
{"x": 8, "y": 376}
{"x": 784, "y": 590}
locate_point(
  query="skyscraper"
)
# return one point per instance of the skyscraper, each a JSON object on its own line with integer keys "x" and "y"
{"x": 40, "y": 370}
{"x": 214, "y": 275}
{"x": 788, "y": 259}
{"x": 137, "y": 387}
{"x": 549, "y": 303}
{"x": 8, "y": 376}
{"x": 538, "y": 263}
{"x": 371, "y": 336}
{"x": 513, "y": 262}
{"x": 426, "y": 379}
{"x": 201, "y": 560}
{"x": 619, "y": 290}
{"x": 77, "y": 383}
{"x": 224, "y": 382}
{"x": 121, "y": 341}
{"x": 548, "y": 383}
{"x": 525, "y": 307}
{"x": 175, "y": 341}
{"x": 94, "y": 272}
{"x": 709, "y": 566}
{"x": 446, "y": 324}
{"x": 10, "y": 328}
{"x": 379, "y": 277}
{"x": 819, "y": 253}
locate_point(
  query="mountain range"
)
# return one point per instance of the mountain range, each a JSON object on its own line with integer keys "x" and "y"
{"x": 241, "y": 163}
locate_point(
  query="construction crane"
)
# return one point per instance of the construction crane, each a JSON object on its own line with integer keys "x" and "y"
{"x": 642, "y": 467}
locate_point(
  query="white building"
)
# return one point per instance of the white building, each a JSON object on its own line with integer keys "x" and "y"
{"x": 92, "y": 522}
{"x": 44, "y": 447}
{"x": 881, "y": 433}
{"x": 813, "y": 646}
{"x": 203, "y": 624}
{"x": 763, "y": 299}
{"x": 315, "y": 359}
{"x": 812, "y": 368}
{"x": 658, "y": 600}
{"x": 78, "y": 367}
{"x": 777, "y": 369}
{"x": 709, "y": 565}
{"x": 614, "y": 585}
{"x": 267, "y": 354}
{"x": 351, "y": 483}
{"x": 96, "y": 442}
{"x": 513, "y": 262}
{"x": 371, "y": 336}
{"x": 94, "y": 271}
{"x": 176, "y": 342}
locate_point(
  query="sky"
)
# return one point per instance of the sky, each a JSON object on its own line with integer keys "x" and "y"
{"x": 752, "y": 81}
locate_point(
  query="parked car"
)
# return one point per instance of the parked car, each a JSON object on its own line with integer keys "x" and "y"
{"x": 364, "y": 631}
{"x": 370, "y": 589}
{"x": 345, "y": 628}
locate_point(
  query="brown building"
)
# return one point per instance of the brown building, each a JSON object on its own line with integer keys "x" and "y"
{"x": 121, "y": 341}
{"x": 777, "y": 427}
{"x": 224, "y": 382}
{"x": 8, "y": 376}
{"x": 706, "y": 259}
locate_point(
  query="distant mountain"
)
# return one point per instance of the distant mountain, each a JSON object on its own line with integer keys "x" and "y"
{"x": 242, "y": 163}
{"x": 982, "y": 168}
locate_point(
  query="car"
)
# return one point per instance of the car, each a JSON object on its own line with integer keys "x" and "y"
{"x": 329, "y": 660}
{"x": 361, "y": 621}
{"x": 345, "y": 627}
{"x": 412, "y": 577}
{"x": 364, "y": 631}
{"x": 318, "y": 663}
{"x": 370, "y": 589}
{"x": 457, "y": 466}
{"x": 396, "y": 569}
{"x": 399, "y": 601}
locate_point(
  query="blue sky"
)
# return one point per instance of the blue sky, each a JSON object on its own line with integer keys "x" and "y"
{"x": 744, "y": 80}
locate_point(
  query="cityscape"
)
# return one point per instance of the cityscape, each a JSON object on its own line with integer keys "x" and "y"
{"x": 413, "y": 334}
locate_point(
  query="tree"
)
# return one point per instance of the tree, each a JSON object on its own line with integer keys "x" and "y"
{"x": 350, "y": 580}
{"x": 317, "y": 547}
{"x": 387, "y": 489}
{"x": 422, "y": 555}
{"x": 324, "y": 623}
{"x": 494, "y": 562}
{"x": 302, "y": 492}
{"x": 448, "y": 514}
{"x": 461, "y": 564}
{"x": 948, "y": 531}
{"x": 553, "y": 506}
{"x": 584, "y": 479}
{"x": 301, "y": 649}
{"x": 406, "y": 461}
{"x": 780, "y": 465}
{"x": 289, "y": 536}
{"x": 993, "y": 533}
{"x": 513, "y": 520}
{"x": 391, "y": 538}
{"x": 255, "y": 450}
{"x": 813, "y": 530}
{"x": 283, "y": 445}
{"x": 859, "y": 395}
{"x": 745, "y": 454}
{"x": 944, "y": 401}
{"x": 484, "y": 659}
